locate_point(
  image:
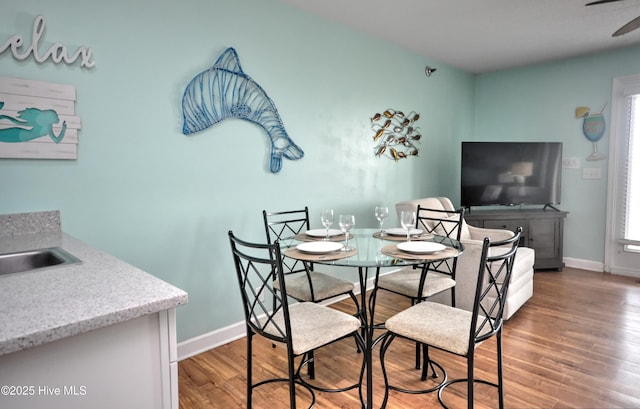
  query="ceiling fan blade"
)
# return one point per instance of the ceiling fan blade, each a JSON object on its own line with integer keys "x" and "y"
{"x": 594, "y": 3}
{"x": 627, "y": 28}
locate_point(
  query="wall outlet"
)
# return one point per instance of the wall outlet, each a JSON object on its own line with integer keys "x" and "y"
{"x": 571, "y": 163}
{"x": 591, "y": 173}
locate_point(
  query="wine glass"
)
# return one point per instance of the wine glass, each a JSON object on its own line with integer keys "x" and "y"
{"x": 346, "y": 222}
{"x": 381, "y": 212}
{"x": 327, "y": 220}
{"x": 407, "y": 220}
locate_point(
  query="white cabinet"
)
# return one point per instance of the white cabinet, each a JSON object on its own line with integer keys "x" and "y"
{"x": 132, "y": 364}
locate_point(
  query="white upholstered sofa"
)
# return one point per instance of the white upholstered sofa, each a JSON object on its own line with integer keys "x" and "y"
{"x": 521, "y": 286}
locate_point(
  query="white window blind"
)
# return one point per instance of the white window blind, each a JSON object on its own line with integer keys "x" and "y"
{"x": 631, "y": 176}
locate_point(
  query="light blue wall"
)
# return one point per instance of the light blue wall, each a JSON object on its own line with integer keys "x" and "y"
{"x": 164, "y": 202}
{"x": 537, "y": 103}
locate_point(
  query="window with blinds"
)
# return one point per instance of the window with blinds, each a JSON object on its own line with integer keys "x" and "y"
{"x": 630, "y": 214}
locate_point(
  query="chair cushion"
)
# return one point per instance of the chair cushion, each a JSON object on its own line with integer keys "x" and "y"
{"x": 406, "y": 281}
{"x": 435, "y": 324}
{"x": 324, "y": 286}
{"x": 314, "y": 325}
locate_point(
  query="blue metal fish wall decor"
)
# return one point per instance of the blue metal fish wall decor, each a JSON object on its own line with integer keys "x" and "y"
{"x": 225, "y": 91}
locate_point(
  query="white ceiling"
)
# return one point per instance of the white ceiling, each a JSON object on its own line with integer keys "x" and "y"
{"x": 481, "y": 36}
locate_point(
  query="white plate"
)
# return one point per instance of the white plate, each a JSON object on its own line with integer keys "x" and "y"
{"x": 319, "y": 247}
{"x": 420, "y": 247}
{"x": 399, "y": 231}
{"x": 323, "y": 232}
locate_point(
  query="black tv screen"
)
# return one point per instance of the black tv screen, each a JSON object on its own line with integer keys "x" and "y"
{"x": 511, "y": 173}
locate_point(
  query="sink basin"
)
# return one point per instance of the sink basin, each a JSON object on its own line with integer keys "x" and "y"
{"x": 35, "y": 260}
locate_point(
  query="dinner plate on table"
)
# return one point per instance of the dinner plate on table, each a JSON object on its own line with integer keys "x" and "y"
{"x": 319, "y": 247}
{"x": 323, "y": 232}
{"x": 420, "y": 247}
{"x": 399, "y": 231}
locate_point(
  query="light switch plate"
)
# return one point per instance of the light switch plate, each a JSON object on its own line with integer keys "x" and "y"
{"x": 571, "y": 163}
{"x": 591, "y": 173}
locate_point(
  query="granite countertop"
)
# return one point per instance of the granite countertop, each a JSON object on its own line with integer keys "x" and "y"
{"x": 50, "y": 304}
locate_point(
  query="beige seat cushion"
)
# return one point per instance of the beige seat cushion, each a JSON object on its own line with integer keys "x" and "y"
{"x": 324, "y": 286}
{"x": 314, "y": 325}
{"x": 406, "y": 280}
{"x": 434, "y": 324}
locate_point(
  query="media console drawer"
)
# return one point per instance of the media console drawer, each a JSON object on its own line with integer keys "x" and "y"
{"x": 541, "y": 230}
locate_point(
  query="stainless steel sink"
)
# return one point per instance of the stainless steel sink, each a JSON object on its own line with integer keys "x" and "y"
{"x": 35, "y": 260}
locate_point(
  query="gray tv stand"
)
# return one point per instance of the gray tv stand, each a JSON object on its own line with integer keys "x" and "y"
{"x": 542, "y": 230}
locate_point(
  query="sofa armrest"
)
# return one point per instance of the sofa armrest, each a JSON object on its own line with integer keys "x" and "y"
{"x": 469, "y": 264}
{"x": 467, "y": 273}
{"x": 479, "y": 233}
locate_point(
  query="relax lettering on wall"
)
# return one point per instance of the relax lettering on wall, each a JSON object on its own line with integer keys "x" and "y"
{"x": 57, "y": 52}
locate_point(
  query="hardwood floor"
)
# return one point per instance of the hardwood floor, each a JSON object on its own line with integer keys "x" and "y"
{"x": 575, "y": 344}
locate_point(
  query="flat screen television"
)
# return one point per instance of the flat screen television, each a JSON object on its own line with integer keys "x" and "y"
{"x": 511, "y": 173}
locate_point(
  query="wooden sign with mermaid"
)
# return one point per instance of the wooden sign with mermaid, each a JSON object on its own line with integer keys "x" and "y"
{"x": 37, "y": 120}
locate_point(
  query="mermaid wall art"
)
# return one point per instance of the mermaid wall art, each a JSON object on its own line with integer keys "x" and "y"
{"x": 31, "y": 123}
{"x": 37, "y": 120}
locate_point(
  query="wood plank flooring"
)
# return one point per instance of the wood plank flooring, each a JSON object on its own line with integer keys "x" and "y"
{"x": 575, "y": 344}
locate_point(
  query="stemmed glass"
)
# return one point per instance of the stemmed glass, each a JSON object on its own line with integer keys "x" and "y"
{"x": 381, "y": 212}
{"x": 346, "y": 222}
{"x": 327, "y": 220}
{"x": 407, "y": 220}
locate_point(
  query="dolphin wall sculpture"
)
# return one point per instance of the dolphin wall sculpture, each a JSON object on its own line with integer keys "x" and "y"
{"x": 225, "y": 91}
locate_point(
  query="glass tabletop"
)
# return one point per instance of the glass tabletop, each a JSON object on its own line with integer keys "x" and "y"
{"x": 369, "y": 249}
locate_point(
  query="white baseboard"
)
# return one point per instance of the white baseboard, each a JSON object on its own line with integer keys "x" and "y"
{"x": 626, "y": 272}
{"x": 210, "y": 340}
{"x": 599, "y": 267}
{"x": 584, "y": 264}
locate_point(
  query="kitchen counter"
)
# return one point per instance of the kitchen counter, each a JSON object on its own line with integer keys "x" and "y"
{"x": 58, "y": 302}
{"x": 98, "y": 334}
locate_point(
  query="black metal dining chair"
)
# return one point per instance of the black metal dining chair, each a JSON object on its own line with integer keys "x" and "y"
{"x": 420, "y": 282}
{"x": 302, "y": 327}
{"x": 459, "y": 331}
{"x": 303, "y": 282}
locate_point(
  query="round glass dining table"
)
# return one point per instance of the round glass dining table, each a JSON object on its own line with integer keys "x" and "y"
{"x": 371, "y": 249}
{"x": 371, "y": 252}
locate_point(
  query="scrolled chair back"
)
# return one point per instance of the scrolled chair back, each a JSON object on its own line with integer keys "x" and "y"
{"x": 258, "y": 266}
